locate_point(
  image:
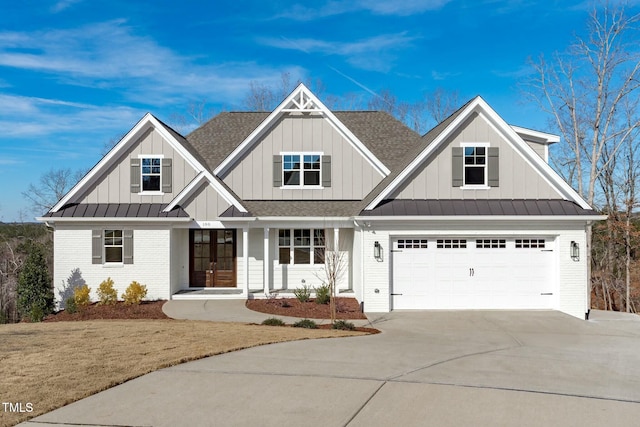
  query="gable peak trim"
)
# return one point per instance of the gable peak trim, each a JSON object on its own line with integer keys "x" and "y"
{"x": 301, "y": 100}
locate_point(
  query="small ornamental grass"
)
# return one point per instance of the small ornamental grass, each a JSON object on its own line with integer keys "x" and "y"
{"x": 273, "y": 321}
{"x": 135, "y": 293}
{"x": 305, "y": 323}
{"x": 106, "y": 293}
{"x": 303, "y": 294}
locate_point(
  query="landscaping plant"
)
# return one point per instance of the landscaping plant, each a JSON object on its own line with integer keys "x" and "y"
{"x": 106, "y": 292}
{"x": 343, "y": 325}
{"x": 305, "y": 323}
{"x": 273, "y": 321}
{"x": 135, "y": 293}
{"x": 323, "y": 294}
{"x": 81, "y": 296}
{"x": 35, "y": 294}
{"x": 303, "y": 294}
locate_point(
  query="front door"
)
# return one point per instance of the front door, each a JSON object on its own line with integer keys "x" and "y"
{"x": 212, "y": 255}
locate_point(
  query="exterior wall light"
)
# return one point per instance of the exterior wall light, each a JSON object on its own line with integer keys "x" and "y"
{"x": 377, "y": 251}
{"x": 575, "y": 251}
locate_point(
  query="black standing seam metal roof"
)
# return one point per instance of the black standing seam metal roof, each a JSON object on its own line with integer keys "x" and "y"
{"x": 117, "y": 210}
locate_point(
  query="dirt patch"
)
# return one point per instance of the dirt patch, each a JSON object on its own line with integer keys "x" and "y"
{"x": 347, "y": 308}
{"x": 118, "y": 311}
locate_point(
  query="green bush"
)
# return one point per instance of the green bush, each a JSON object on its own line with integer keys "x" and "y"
{"x": 322, "y": 294}
{"x": 106, "y": 293}
{"x": 70, "y": 305}
{"x": 272, "y": 321}
{"x": 35, "y": 293}
{"x": 135, "y": 293}
{"x": 303, "y": 294}
{"x": 305, "y": 323}
{"x": 81, "y": 296}
{"x": 343, "y": 325}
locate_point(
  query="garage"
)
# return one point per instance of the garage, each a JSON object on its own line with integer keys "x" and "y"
{"x": 482, "y": 272}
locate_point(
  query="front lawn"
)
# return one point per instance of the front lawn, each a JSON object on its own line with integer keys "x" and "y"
{"x": 53, "y": 364}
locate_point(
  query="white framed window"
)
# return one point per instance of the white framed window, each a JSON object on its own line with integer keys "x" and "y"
{"x": 412, "y": 244}
{"x": 451, "y": 243}
{"x": 301, "y": 170}
{"x": 491, "y": 243}
{"x": 113, "y": 246}
{"x": 301, "y": 246}
{"x": 151, "y": 174}
{"x": 475, "y": 159}
{"x": 530, "y": 243}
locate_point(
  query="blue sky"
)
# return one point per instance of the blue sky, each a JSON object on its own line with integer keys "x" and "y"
{"x": 75, "y": 74}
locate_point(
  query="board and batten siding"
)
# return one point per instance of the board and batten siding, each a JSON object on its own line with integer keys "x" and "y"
{"x": 151, "y": 260}
{"x": 571, "y": 275}
{"x": 518, "y": 179}
{"x": 352, "y": 176}
{"x": 205, "y": 204}
{"x": 115, "y": 185}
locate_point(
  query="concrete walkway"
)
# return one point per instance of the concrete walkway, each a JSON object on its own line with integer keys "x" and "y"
{"x": 231, "y": 310}
{"x": 441, "y": 368}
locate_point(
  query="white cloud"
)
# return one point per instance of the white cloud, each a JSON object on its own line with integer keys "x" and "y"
{"x": 443, "y": 75}
{"x": 63, "y": 5}
{"x": 299, "y": 12}
{"x": 109, "y": 55}
{"x": 373, "y": 53}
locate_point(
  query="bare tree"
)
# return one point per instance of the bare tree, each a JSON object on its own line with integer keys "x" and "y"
{"x": 51, "y": 187}
{"x": 441, "y": 103}
{"x": 335, "y": 267}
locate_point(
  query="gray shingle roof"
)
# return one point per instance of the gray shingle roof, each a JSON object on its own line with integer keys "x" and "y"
{"x": 477, "y": 207}
{"x": 117, "y": 210}
{"x": 303, "y": 208}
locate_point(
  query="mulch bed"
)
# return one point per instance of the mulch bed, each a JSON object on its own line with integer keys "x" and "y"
{"x": 347, "y": 308}
{"x": 120, "y": 311}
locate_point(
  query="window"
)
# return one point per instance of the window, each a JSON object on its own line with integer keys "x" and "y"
{"x": 301, "y": 246}
{"x": 529, "y": 243}
{"x": 301, "y": 169}
{"x": 113, "y": 246}
{"x": 412, "y": 244}
{"x": 491, "y": 243}
{"x": 475, "y": 162}
{"x": 451, "y": 243}
{"x": 151, "y": 173}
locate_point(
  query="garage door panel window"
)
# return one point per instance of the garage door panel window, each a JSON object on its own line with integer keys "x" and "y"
{"x": 491, "y": 243}
{"x": 412, "y": 244}
{"x": 451, "y": 243}
{"x": 530, "y": 243}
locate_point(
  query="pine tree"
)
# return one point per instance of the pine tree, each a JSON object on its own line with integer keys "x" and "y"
{"x": 35, "y": 294}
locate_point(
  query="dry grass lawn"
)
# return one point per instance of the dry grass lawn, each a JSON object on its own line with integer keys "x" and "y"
{"x": 53, "y": 364}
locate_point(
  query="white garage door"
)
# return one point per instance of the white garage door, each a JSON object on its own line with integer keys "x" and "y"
{"x": 473, "y": 273}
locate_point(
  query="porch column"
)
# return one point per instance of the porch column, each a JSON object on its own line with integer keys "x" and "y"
{"x": 336, "y": 247}
{"x": 266, "y": 261}
{"x": 245, "y": 258}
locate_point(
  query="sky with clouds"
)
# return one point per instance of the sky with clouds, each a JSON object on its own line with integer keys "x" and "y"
{"x": 75, "y": 74}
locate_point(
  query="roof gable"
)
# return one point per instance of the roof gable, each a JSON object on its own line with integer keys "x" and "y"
{"x": 300, "y": 101}
{"x": 439, "y": 135}
{"x": 146, "y": 124}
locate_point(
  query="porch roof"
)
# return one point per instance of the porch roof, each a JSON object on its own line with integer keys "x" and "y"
{"x": 479, "y": 207}
{"x": 116, "y": 210}
{"x": 302, "y": 208}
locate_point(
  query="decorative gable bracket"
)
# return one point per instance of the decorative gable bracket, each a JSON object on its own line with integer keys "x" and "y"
{"x": 301, "y": 102}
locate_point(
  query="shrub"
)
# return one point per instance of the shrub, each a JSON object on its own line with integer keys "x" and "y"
{"x": 34, "y": 290}
{"x": 81, "y": 296}
{"x": 70, "y": 305}
{"x": 272, "y": 321}
{"x": 135, "y": 293}
{"x": 303, "y": 294}
{"x": 106, "y": 293}
{"x": 285, "y": 304}
{"x": 322, "y": 294}
{"x": 305, "y": 323}
{"x": 343, "y": 325}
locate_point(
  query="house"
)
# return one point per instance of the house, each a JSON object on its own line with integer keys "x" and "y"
{"x": 468, "y": 216}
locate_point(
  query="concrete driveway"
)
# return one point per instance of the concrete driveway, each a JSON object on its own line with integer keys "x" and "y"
{"x": 425, "y": 368}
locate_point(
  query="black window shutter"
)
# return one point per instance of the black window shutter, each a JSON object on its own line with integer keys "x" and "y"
{"x": 166, "y": 176}
{"x": 494, "y": 167}
{"x": 135, "y": 175}
{"x": 277, "y": 171}
{"x": 456, "y": 167}
{"x": 128, "y": 246}
{"x": 326, "y": 171}
{"x": 96, "y": 246}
